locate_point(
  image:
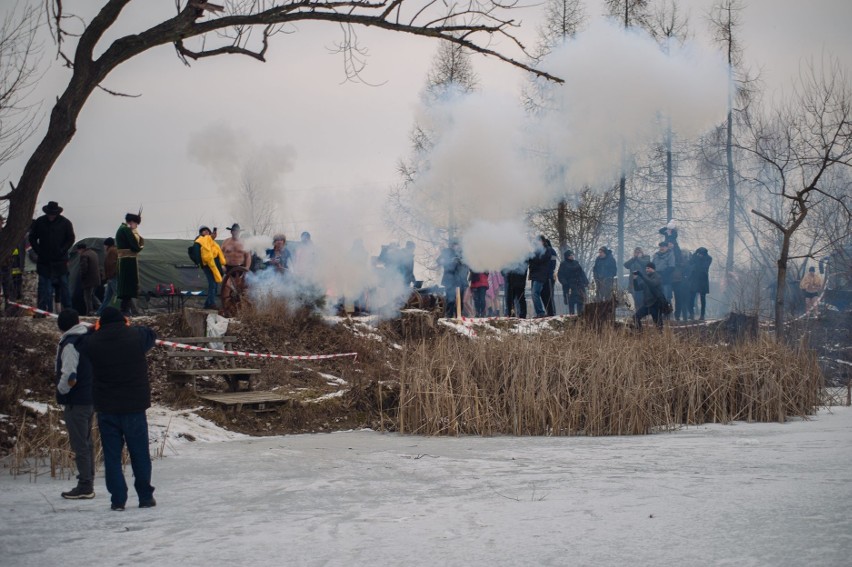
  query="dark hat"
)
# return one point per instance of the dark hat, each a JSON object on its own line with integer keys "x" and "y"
{"x": 109, "y": 241}
{"x": 569, "y": 252}
{"x": 663, "y": 244}
{"x": 52, "y": 208}
{"x": 80, "y": 246}
{"x": 203, "y": 228}
{"x": 130, "y": 217}
{"x": 233, "y": 227}
{"x": 651, "y": 265}
{"x": 603, "y": 249}
{"x": 67, "y": 319}
{"x": 701, "y": 250}
{"x": 111, "y": 315}
{"x": 812, "y": 269}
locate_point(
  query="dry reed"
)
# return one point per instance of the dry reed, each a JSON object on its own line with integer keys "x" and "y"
{"x": 599, "y": 383}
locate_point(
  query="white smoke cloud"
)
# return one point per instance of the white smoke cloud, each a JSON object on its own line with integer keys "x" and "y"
{"x": 492, "y": 246}
{"x": 618, "y": 86}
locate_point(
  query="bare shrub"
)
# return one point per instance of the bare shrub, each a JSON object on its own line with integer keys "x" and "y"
{"x": 603, "y": 383}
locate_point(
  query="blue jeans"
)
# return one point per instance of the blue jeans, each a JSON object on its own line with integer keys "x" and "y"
{"x": 45, "y": 292}
{"x": 212, "y": 288}
{"x": 117, "y": 429}
{"x": 538, "y": 305}
{"x": 109, "y": 294}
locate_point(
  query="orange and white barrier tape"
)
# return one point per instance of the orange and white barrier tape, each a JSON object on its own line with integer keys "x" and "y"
{"x": 161, "y": 342}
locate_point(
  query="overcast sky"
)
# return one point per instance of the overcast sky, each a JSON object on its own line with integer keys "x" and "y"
{"x": 339, "y": 142}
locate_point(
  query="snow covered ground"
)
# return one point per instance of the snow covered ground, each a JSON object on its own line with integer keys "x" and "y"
{"x": 740, "y": 494}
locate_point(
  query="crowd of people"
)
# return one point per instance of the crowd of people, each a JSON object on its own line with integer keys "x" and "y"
{"x": 671, "y": 281}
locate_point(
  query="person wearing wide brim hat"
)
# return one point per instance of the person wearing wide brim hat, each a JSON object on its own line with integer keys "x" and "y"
{"x": 128, "y": 243}
{"x": 51, "y": 238}
{"x": 234, "y": 250}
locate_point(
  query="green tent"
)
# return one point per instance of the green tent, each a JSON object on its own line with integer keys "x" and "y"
{"x": 162, "y": 261}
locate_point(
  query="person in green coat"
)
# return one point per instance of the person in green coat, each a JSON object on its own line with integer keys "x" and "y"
{"x": 129, "y": 244}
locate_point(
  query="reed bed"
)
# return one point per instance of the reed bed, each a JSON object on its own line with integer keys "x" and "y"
{"x": 612, "y": 382}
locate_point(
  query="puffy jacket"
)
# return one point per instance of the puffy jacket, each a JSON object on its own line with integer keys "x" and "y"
{"x": 543, "y": 265}
{"x": 478, "y": 279}
{"x": 70, "y": 366}
{"x": 120, "y": 371}
{"x": 211, "y": 253}
{"x": 90, "y": 269}
{"x": 605, "y": 267}
{"x": 572, "y": 276}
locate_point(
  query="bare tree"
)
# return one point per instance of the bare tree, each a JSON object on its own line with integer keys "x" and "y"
{"x": 668, "y": 26}
{"x": 256, "y": 203}
{"x": 799, "y": 146}
{"x": 201, "y": 29}
{"x": 586, "y": 223}
{"x": 411, "y": 213}
{"x": 562, "y": 21}
{"x": 19, "y": 57}
{"x": 629, "y": 13}
{"x": 725, "y": 23}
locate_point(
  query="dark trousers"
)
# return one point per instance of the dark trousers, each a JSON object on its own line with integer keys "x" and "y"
{"x": 575, "y": 302}
{"x": 479, "y": 300}
{"x": 46, "y": 288}
{"x": 652, "y": 310}
{"x": 450, "y": 301}
{"x": 702, "y": 297}
{"x": 212, "y": 288}
{"x": 117, "y": 429}
{"x": 78, "y": 421}
{"x": 684, "y": 307}
{"x": 516, "y": 300}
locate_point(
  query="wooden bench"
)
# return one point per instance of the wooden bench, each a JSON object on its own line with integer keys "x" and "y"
{"x": 185, "y": 365}
{"x": 256, "y": 401}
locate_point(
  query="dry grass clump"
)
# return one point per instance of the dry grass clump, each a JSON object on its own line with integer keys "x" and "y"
{"x": 599, "y": 383}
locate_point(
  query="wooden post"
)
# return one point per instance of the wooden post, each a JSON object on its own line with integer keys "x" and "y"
{"x": 458, "y": 303}
{"x": 849, "y": 393}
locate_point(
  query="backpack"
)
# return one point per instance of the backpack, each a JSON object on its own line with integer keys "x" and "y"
{"x": 194, "y": 252}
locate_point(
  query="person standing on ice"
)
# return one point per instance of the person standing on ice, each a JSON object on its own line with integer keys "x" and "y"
{"x": 74, "y": 394}
{"x": 121, "y": 393}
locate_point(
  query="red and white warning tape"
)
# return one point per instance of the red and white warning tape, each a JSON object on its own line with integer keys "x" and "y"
{"x": 161, "y": 342}
{"x": 172, "y": 344}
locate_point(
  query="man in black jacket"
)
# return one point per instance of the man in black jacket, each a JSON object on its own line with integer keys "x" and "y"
{"x": 122, "y": 393}
{"x": 516, "y": 284}
{"x": 574, "y": 283}
{"x": 604, "y": 271}
{"x": 652, "y": 293}
{"x": 51, "y": 237}
{"x": 74, "y": 393}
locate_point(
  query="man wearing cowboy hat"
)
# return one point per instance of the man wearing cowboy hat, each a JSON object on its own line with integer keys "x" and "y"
{"x": 234, "y": 251}
{"x": 51, "y": 237}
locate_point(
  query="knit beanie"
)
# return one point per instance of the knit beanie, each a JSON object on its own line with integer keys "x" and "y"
{"x": 111, "y": 315}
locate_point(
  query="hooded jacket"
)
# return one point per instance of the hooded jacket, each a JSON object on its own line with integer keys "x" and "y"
{"x": 210, "y": 254}
{"x": 572, "y": 276}
{"x": 71, "y": 367}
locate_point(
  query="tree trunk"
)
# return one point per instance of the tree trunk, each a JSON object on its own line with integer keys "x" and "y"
{"x": 622, "y": 204}
{"x": 781, "y": 286}
{"x": 669, "y": 174}
{"x": 732, "y": 193}
{"x": 562, "y": 226}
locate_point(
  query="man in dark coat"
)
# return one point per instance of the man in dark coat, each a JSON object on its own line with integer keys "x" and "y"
{"x": 699, "y": 277}
{"x": 454, "y": 277}
{"x": 90, "y": 274}
{"x": 74, "y": 393}
{"x": 665, "y": 260}
{"x": 516, "y": 285}
{"x": 51, "y": 238}
{"x": 542, "y": 275}
{"x": 110, "y": 273}
{"x": 574, "y": 282}
{"x": 636, "y": 264}
{"x": 652, "y": 295}
{"x": 121, "y": 395}
{"x": 129, "y": 244}
{"x": 604, "y": 272}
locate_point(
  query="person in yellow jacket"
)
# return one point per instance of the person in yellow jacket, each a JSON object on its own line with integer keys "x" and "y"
{"x": 212, "y": 264}
{"x": 811, "y": 285}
